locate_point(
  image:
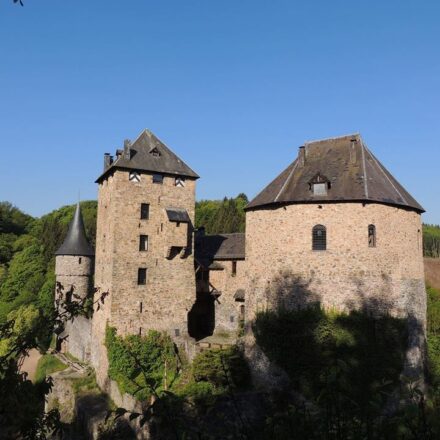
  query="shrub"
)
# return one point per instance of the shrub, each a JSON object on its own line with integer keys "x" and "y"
{"x": 141, "y": 365}
{"x": 223, "y": 369}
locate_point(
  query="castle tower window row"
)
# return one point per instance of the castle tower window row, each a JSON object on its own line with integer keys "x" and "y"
{"x": 145, "y": 211}
{"x": 142, "y": 276}
{"x": 143, "y": 243}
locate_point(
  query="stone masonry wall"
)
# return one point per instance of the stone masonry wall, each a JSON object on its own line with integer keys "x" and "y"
{"x": 228, "y": 311}
{"x": 76, "y": 272}
{"x": 169, "y": 293}
{"x": 284, "y": 270}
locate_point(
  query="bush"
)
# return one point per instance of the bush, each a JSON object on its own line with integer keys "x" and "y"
{"x": 222, "y": 369}
{"x": 141, "y": 365}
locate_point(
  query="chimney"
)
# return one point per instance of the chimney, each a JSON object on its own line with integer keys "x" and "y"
{"x": 119, "y": 153}
{"x": 127, "y": 152}
{"x": 302, "y": 156}
{"x": 108, "y": 160}
{"x": 353, "y": 150}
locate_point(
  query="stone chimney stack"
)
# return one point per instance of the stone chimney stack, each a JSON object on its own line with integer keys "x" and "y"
{"x": 127, "y": 151}
{"x": 302, "y": 156}
{"x": 108, "y": 159}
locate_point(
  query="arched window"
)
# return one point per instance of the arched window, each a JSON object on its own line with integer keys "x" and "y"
{"x": 319, "y": 238}
{"x": 371, "y": 236}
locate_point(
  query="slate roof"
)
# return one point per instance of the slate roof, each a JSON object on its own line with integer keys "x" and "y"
{"x": 142, "y": 158}
{"x": 178, "y": 215}
{"x": 76, "y": 242}
{"x": 353, "y": 172}
{"x": 210, "y": 248}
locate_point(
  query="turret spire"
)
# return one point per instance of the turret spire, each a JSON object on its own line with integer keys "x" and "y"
{"x": 76, "y": 242}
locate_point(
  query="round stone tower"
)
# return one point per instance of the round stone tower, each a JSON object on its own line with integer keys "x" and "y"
{"x": 336, "y": 228}
{"x": 74, "y": 265}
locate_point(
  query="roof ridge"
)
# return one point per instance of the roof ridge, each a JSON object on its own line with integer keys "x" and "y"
{"x": 386, "y": 175}
{"x": 333, "y": 138}
{"x": 287, "y": 180}
{"x": 364, "y": 167}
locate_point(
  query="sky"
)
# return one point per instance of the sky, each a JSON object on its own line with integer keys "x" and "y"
{"x": 233, "y": 87}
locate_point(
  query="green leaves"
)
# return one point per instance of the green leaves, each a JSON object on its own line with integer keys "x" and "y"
{"x": 222, "y": 217}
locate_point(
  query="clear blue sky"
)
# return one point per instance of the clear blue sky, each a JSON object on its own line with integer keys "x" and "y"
{"x": 232, "y": 86}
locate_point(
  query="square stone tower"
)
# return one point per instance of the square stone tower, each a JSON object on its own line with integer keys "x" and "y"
{"x": 144, "y": 244}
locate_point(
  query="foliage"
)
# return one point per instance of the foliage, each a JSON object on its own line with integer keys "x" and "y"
{"x": 221, "y": 217}
{"x": 27, "y": 249}
{"x": 349, "y": 351}
{"x": 221, "y": 369}
{"x": 433, "y": 335}
{"x": 431, "y": 241}
{"x": 141, "y": 365}
{"x": 47, "y": 365}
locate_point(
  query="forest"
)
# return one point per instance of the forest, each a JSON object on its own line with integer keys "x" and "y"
{"x": 350, "y": 361}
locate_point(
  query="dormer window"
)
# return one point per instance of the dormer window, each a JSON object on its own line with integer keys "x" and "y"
{"x": 155, "y": 152}
{"x": 134, "y": 176}
{"x": 319, "y": 189}
{"x": 319, "y": 185}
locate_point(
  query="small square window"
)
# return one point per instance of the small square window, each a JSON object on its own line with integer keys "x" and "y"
{"x": 143, "y": 242}
{"x": 145, "y": 211}
{"x": 142, "y": 276}
{"x": 157, "y": 178}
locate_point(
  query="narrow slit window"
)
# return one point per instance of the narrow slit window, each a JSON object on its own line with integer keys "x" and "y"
{"x": 142, "y": 276}
{"x": 372, "y": 236}
{"x": 234, "y": 269}
{"x": 145, "y": 211}
{"x": 319, "y": 238}
{"x": 143, "y": 243}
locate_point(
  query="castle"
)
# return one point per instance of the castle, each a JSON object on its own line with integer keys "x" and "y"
{"x": 335, "y": 227}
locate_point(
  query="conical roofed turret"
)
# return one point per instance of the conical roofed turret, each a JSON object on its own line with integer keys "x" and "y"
{"x": 76, "y": 242}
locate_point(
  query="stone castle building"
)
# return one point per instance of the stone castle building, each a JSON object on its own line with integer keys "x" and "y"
{"x": 335, "y": 227}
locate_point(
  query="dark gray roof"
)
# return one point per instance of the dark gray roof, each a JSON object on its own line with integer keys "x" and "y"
{"x": 76, "y": 242}
{"x": 148, "y": 153}
{"x": 210, "y": 248}
{"x": 352, "y": 171}
{"x": 178, "y": 215}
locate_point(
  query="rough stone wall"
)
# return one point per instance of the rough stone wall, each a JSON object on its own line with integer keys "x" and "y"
{"x": 284, "y": 271}
{"x": 75, "y": 274}
{"x": 164, "y": 302}
{"x": 103, "y": 277}
{"x": 227, "y": 309}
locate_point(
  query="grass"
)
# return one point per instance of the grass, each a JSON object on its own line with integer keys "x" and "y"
{"x": 47, "y": 365}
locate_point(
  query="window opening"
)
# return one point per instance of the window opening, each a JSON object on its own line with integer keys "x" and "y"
{"x": 319, "y": 238}
{"x": 143, "y": 243}
{"x": 372, "y": 236}
{"x": 142, "y": 276}
{"x": 157, "y": 178}
{"x": 145, "y": 211}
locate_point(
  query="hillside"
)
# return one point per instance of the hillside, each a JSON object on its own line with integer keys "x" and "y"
{"x": 27, "y": 247}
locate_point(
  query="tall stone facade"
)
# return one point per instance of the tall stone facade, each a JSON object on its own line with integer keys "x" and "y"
{"x": 158, "y": 206}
